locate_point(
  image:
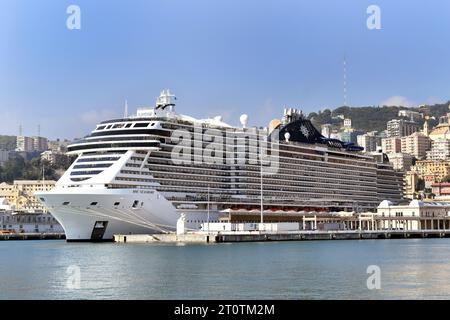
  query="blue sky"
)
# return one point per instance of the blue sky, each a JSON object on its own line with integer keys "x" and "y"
{"x": 219, "y": 57}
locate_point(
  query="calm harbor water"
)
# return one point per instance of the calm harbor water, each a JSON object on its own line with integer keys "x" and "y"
{"x": 410, "y": 269}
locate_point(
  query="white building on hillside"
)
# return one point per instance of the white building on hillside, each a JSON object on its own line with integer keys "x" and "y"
{"x": 440, "y": 150}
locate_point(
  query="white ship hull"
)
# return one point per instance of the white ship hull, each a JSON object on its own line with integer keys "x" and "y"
{"x": 80, "y": 211}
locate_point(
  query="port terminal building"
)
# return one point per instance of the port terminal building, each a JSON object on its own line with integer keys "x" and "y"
{"x": 413, "y": 216}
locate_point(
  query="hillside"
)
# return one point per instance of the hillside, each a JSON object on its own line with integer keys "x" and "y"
{"x": 374, "y": 118}
{"x": 17, "y": 168}
{"x": 7, "y": 142}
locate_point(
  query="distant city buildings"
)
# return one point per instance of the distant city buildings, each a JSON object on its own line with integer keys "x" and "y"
{"x": 56, "y": 151}
{"x": 40, "y": 144}
{"x": 51, "y": 156}
{"x": 28, "y": 222}
{"x": 434, "y": 145}
{"x": 441, "y": 190}
{"x": 58, "y": 146}
{"x": 431, "y": 171}
{"x": 31, "y": 144}
{"x": 400, "y": 161}
{"x": 415, "y": 144}
{"x": 326, "y": 130}
{"x": 402, "y": 150}
{"x": 411, "y": 184}
{"x": 348, "y": 136}
{"x": 347, "y": 123}
{"x": 412, "y": 115}
{"x": 426, "y": 129}
{"x": 369, "y": 141}
{"x": 391, "y": 145}
{"x": 440, "y": 150}
{"x": 24, "y": 144}
{"x": 442, "y": 130}
{"x": 20, "y": 195}
{"x": 401, "y": 128}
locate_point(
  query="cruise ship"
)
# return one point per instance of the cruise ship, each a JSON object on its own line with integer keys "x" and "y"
{"x": 138, "y": 174}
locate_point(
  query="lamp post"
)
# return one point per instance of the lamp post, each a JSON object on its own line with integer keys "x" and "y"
{"x": 208, "y": 209}
{"x": 262, "y": 194}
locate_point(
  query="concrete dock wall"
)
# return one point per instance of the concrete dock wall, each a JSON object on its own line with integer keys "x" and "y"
{"x": 32, "y": 236}
{"x": 256, "y": 236}
{"x": 166, "y": 237}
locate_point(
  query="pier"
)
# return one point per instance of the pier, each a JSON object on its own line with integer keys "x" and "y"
{"x": 313, "y": 227}
{"x": 257, "y": 236}
{"x": 329, "y": 235}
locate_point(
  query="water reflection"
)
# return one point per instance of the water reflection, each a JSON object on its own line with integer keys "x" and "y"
{"x": 410, "y": 269}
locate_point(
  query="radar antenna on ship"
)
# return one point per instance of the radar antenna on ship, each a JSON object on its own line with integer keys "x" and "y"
{"x": 165, "y": 99}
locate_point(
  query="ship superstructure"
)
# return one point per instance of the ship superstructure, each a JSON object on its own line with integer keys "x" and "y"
{"x": 138, "y": 174}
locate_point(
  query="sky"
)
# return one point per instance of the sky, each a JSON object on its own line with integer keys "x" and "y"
{"x": 221, "y": 57}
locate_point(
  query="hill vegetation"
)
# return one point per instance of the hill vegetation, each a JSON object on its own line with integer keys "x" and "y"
{"x": 17, "y": 168}
{"x": 7, "y": 142}
{"x": 374, "y": 118}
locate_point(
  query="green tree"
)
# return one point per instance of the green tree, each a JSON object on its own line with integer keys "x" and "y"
{"x": 7, "y": 142}
{"x": 420, "y": 184}
{"x": 19, "y": 169}
{"x": 374, "y": 118}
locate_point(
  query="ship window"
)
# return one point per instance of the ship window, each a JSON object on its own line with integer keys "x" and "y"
{"x": 109, "y": 126}
{"x": 141, "y": 125}
{"x": 66, "y": 203}
{"x": 42, "y": 199}
{"x": 101, "y": 128}
{"x": 116, "y": 204}
{"x": 117, "y": 126}
{"x": 128, "y": 125}
{"x": 87, "y": 166}
{"x": 79, "y": 173}
{"x": 94, "y": 203}
{"x": 135, "y": 203}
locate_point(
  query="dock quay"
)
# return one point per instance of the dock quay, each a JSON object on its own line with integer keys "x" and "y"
{"x": 351, "y": 227}
{"x": 166, "y": 238}
{"x": 32, "y": 236}
{"x": 257, "y": 236}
